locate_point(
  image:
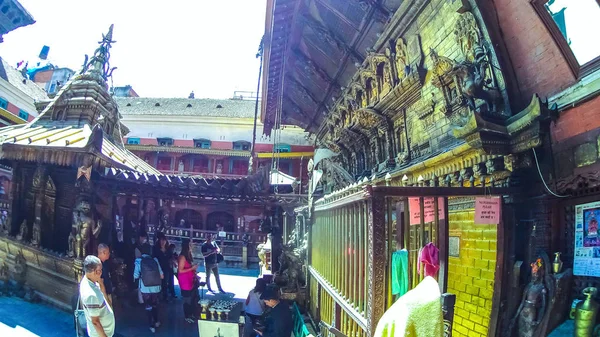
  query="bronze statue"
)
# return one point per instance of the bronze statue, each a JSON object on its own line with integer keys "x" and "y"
{"x": 72, "y": 242}
{"x": 4, "y": 272}
{"x": 472, "y": 82}
{"x": 36, "y": 234}
{"x": 23, "y": 231}
{"x": 290, "y": 275}
{"x": 533, "y": 306}
{"x": 85, "y": 227}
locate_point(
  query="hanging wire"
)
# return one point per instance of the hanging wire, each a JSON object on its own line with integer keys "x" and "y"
{"x": 542, "y": 177}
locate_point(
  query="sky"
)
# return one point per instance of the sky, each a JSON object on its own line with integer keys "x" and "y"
{"x": 581, "y": 17}
{"x": 162, "y": 49}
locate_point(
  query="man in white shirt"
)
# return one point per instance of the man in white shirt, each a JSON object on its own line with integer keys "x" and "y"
{"x": 99, "y": 316}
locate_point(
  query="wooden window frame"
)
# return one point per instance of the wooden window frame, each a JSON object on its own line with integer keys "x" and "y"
{"x": 577, "y": 69}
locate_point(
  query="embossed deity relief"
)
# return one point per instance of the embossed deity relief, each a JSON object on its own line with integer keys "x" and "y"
{"x": 401, "y": 59}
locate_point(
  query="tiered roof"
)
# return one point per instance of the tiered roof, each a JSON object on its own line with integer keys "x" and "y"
{"x": 82, "y": 120}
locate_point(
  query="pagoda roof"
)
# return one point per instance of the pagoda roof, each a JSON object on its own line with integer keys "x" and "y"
{"x": 255, "y": 184}
{"x": 81, "y": 121}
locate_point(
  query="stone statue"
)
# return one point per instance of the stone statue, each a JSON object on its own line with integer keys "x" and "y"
{"x": 533, "y": 306}
{"x": 219, "y": 168}
{"x": 36, "y": 234}
{"x": 23, "y": 231}
{"x": 181, "y": 166}
{"x": 261, "y": 255}
{"x": 86, "y": 227}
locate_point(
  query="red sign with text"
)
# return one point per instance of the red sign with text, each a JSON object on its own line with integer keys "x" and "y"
{"x": 487, "y": 210}
{"x": 429, "y": 208}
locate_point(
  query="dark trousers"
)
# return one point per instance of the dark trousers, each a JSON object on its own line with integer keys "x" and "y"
{"x": 213, "y": 269}
{"x": 190, "y": 302}
{"x": 168, "y": 284}
{"x": 151, "y": 304}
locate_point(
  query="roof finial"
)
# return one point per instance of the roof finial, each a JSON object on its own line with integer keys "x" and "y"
{"x": 100, "y": 61}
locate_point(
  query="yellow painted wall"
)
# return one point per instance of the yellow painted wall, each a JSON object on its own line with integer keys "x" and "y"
{"x": 471, "y": 275}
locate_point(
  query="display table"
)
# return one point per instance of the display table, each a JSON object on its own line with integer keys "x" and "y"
{"x": 216, "y": 321}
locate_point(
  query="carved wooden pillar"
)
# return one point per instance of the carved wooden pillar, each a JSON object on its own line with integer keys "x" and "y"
{"x": 376, "y": 259}
{"x": 14, "y": 197}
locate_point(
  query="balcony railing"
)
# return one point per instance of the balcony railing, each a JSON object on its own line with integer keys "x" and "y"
{"x": 232, "y": 245}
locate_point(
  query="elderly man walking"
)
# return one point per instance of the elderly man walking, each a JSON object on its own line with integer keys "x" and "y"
{"x": 99, "y": 316}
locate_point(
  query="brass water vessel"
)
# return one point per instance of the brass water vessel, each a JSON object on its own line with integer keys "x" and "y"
{"x": 586, "y": 314}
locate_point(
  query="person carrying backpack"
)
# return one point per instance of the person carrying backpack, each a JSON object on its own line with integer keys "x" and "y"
{"x": 149, "y": 273}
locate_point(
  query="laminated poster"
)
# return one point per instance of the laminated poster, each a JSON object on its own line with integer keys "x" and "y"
{"x": 586, "y": 256}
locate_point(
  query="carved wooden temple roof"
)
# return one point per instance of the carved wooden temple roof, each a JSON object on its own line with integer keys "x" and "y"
{"x": 81, "y": 126}
{"x": 394, "y": 88}
{"x": 13, "y": 16}
{"x": 312, "y": 49}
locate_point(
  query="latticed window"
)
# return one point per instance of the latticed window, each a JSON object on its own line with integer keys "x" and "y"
{"x": 241, "y": 146}
{"x": 202, "y": 143}
{"x": 165, "y": 141}
{"x": 23, "y": 115}
{"x": 3, "y": 103}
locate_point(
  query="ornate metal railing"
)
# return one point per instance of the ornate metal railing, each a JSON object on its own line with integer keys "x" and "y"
{"x": 232, "y": 245}
{"x": 353, "y": 236}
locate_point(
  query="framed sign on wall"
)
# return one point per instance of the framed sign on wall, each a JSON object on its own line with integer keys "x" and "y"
{"x": 586, "y": 255}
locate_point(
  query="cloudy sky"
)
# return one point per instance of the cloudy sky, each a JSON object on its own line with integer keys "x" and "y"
{"x": 163, "y": 49}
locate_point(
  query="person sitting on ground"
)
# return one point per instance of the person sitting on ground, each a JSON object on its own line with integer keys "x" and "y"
{"x": 279, "y": 320}
{"x": 210, "y": 251}
{"x": 150, "y": 275}
{"x": 99, "y": 316}
{"x": 254, "y": 307}
{"x": 105, "y": 281}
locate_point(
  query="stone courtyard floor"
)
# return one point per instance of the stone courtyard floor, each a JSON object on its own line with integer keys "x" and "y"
{"x": 19, "y": 318}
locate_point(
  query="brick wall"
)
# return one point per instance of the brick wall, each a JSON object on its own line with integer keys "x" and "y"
{"x": 471, "y": 274}
{"x": 577, "y": 120}
{"x": 539, "y": 65}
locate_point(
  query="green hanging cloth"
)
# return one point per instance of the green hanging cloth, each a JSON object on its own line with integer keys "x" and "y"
{"x": 400, "y": 272}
